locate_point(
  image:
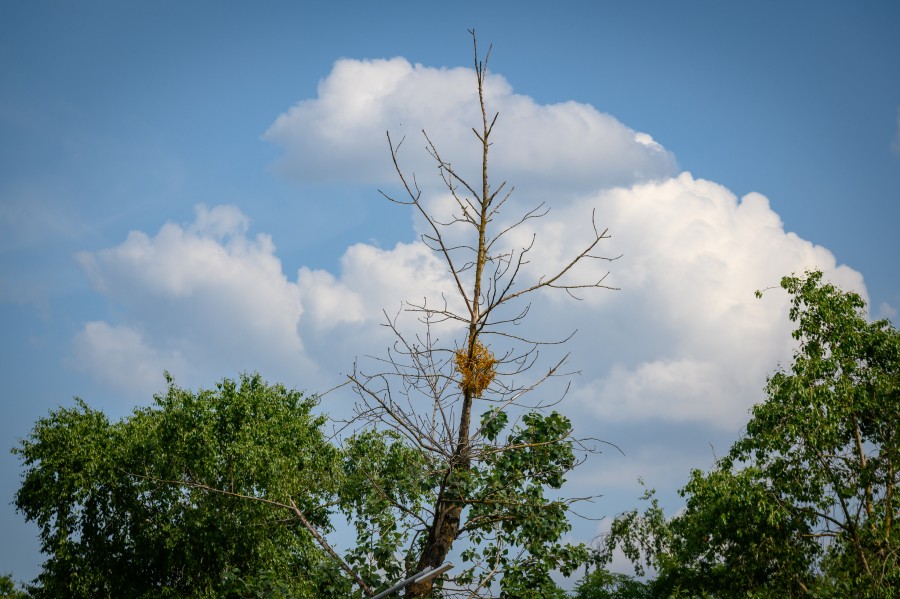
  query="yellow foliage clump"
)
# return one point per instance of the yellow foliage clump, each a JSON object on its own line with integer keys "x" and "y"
{"x": 478, "y": 371}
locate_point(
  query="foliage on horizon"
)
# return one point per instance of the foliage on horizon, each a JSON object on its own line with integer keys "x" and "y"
{"x": 805, "y": 503}
{"x": 114, "y": 525}
{"x": 602, "y": 584}
{"x": 9, "y": 589}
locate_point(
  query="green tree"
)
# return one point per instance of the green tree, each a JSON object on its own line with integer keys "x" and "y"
{"x": 490, "y": 459}
{"x": 602, "y": 584}
{"x": 112, "y": 525}
{"x": 805, "y": 502}
{"x": 9, "y": 590}
{"x": 825, "y": 442}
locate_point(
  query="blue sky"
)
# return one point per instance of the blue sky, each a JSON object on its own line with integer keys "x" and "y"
{"x": 117, "y": 121}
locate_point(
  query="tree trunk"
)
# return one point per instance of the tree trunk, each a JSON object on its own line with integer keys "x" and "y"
{"x": 448, "y": 508}
{"x": 440, "y": 538}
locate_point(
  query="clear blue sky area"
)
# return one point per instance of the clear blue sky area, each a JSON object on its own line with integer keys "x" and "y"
{"x": 119, "y": 117}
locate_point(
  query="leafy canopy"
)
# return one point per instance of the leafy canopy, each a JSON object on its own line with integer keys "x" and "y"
{"x": 805, "y": 503}
{"x": 112, "y": 526}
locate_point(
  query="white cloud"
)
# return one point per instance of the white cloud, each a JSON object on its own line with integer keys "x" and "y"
{"x": 683, "y": 345}
{"x": 341, "y": 134}
{"x": 205, "y": 293}
{"x": 205, "y": 301}
{"x": 119, "y": 357}
{"x": 885, "y": 310}
{"x": 373, "y": 281}
{"x": 684, "y": 339}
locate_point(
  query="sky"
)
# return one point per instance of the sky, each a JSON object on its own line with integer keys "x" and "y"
{"x": 194, "y": 187}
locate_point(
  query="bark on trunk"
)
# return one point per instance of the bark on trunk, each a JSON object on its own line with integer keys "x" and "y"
{"x": 440, "y": 538}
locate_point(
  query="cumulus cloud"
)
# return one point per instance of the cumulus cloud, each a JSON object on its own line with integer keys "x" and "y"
{"x": 119, "y": 357}
{"x": 372, "y": 281}
{"x": 202, "y": 296}
{"x": 205, "y": 300}
{"x": 684, "y": 339}
{"x": 341, "y": 133}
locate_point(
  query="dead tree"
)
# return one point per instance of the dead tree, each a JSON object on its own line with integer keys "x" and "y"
{"x": 425, "y": 389}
